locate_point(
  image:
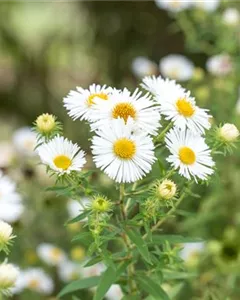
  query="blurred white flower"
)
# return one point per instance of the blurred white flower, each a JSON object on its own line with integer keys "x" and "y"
{"x": 95, "y": 270}
{"x": 76, "y": 207}
{"x": 174, "y": 5}
{"x": 7, "y": 154}
{"x": 37, "y": 280}
{"x": 176, "y": 66}
{"x": 219, "y": 65}
{"x": 142, "y": 66}
{"x": 191, "y": 250}
{"x": 11, "y": 212}
{"x": 62, "y": 155}
{"x": 8, "y": 277}
{"x": 207, "y": 5}
{"x": 25, "y": 141}
{"x": 69, "y": 271}
{"x": 114, "y": 293}
{"x": 51, "y": 254}
{"x": 231, "y": 16}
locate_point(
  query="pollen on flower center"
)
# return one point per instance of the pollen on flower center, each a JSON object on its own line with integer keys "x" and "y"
{"x": 34, "y": 283}
{"x": 124, "y": 110}
{"x": 187, "y": 156}
{"x": 184, "y": 107}
{"x": 124, "y": 148}
{"x": 55, "y": 253}
{"x": 102, "y": 96}
{"x": 62, "y": 162}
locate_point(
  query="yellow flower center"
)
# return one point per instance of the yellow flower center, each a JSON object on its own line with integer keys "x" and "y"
{"x": 62, "y": 162}
{"x": 33, "y": 284}
{"x": 124, "y": 148}
{"x": 187, "y": 156}
{"x": 124, "y": 110}
{"x": 55, "y": 254}
{"x": 184, "y": 107}
{"x": 90, "y": 99}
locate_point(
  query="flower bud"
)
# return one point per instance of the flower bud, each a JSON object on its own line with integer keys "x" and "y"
{"x": 8, "y": 276}
{"x": 5, "y": 235}
{"x": 46, "y": 123}
{"x": 228, "y": 132}
{"x": 166, "y": 189}
{"x": 101, "y": 204}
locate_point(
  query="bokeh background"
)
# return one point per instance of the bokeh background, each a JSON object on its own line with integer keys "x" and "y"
{"x": 49, "y": 48}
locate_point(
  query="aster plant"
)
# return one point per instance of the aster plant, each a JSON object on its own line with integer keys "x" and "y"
{"x": 155, "y": 147}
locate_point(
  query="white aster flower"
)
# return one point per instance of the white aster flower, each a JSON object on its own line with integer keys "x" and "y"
{"x": 11, "y": 212}
{"x": 51, "y": 254}
{"x": 207, "y": 5}
{"x": 76, "y": 207}
{"x": 79, "y": 103}
{"x": 142, "y": 66}
{"x": 114, "y": 293}
{"x": 38, "y": 280}
{"x": 61, "y": 155}
{"x": 122, "y": 104}
{"x": 122, "y": 155}
{"x": 177, "y": 105}
{"x": 231, "y": 17}
{"x": 191, "y": 251}
{"x": 8, "y": 277}
{"x": 189, "y": 154}
{"x": 95, "y": 270}
{"x": 20, "y": 283}
{"x": 176, "y": 66}
{"x": 174, "y": 6}
{"x": 7, "y": 154}
{"x": 25, "y": 141}
{"x": 5, "y": 235}
{"x": 69, "y": 271}
{"x": 219, "y": 65}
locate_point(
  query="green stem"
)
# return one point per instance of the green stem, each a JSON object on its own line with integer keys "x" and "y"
{"x": 160, "y": 137}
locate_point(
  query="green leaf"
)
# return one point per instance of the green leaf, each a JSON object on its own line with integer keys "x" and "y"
{"x": 84, "y": 237}
{"x": 174, "y": 239}
{"x": 107, "y": 279}
{"x": 93, "y": 261}
{"x": 78, "y": 218}
{"x": 151, "y": 287}
{"x": 171, "y": 275}
{"x": 60, "y": 190}
{"x": 84, "y": 283}
{"x": 137, "y": 239}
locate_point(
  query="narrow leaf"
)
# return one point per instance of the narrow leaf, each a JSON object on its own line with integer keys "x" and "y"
{"x": 107, "y": 279}
{"x": 84, "y": 283}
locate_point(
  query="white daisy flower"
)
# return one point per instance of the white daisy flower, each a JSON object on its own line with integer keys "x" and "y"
{"x": 191, "y": 251}
{"x": 20, "y": 283}
{"x": 207, "y": 5}
{"x": 11, "y": 212}
{"x": 177, "y": 105}
{"x": 8, "y": 277}
{"x": 174, "y": 6}
{"x": 231, "y": 16}
{"x": 79, "y": 103}
{"x": 25, "y": 141}
{"x": 177, "y": 67}
{"x": 114, "y": 293}
{"x": 5, "y": 234}
{"x": 122, "y": 155}
{"x": 75, "y": 207}
{"x": 69, "y": 271}
{"x": 189, "y": 154}
{"x": 51, "y": 254}
{"x": 95, "y": 270}
{"x": 142, "y": 66}
{"x": 38, "y": 280}
{"x": 7, "y": 154}
{"x": 219, "y": 65}
{"x": 123, "y": 105}
{"x": 61, "y": 155}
